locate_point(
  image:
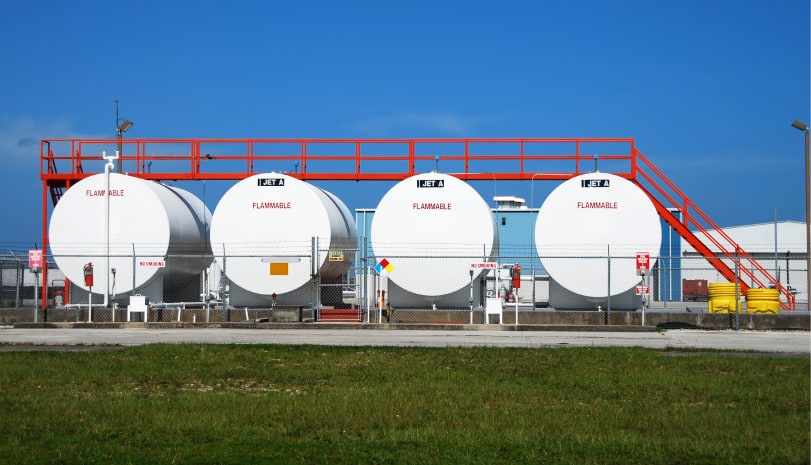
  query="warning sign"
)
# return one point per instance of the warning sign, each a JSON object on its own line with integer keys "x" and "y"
{"x": 35, "y": 259}
{"x": 484, "y": 266}
{"x": 642, "y": 262}
{"x": 642, "y": 290}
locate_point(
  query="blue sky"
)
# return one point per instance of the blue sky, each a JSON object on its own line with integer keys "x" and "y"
{"x": 707, "y": 88}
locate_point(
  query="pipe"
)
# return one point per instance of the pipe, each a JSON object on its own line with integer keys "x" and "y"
{"x": 69, "y": 306}
{"x": 179, "y": 304}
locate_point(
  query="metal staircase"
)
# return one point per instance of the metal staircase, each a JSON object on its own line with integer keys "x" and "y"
{"x": 56, "y": 186}
{"x": 56, "y": 189}
{"x": 728, "y": 255}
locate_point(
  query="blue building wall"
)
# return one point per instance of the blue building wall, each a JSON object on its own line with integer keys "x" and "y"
{"x": 365, "y": 255}
{"x": 516, "y": 234}
{"x": 668, "y": 268}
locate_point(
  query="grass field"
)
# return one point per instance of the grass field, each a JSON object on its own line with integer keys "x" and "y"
{"x": 240, "y": 404}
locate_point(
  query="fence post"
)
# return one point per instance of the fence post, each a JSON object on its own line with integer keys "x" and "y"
{"x": 362, "y": 288}
{"x": 315, "y": 264}
{"x": 18, "y": 281}
{"x": 737, "y": 287}
{"x": 533, "y": 289}
{"x": 114, "y": 304}
{"x": 645, "y": 296}
{"x": 608, "y": 305}
{"x": 225, "y": 289}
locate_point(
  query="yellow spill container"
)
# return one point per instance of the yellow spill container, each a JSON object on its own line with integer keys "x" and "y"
{"x": 762, "y": 300}
{"x": 723, "y": 297}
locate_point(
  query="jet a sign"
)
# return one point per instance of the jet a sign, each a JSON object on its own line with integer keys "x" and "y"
{"x": 270, "y": 182}
{"x": 595, "y": 183}
{"x": 430, "y": 183}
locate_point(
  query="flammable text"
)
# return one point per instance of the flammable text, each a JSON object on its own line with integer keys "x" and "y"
{"x": 431, "y": 206}
{"x": 263, "y": 205}
{"x": 609, "y": 205}
{"x": 101, "y": 192}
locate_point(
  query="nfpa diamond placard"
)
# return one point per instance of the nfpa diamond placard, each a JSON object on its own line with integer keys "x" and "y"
{"x": 384, "y": 265}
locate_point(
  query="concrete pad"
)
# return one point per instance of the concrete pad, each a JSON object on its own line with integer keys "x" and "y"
{"x": 385, "y": 335}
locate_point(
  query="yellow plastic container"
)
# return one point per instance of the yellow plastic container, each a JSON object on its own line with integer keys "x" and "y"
{"x": 723, "y": 297}
{"x": 762, "y": 300}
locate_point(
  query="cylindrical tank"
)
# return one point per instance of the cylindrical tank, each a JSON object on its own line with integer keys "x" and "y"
{"x": 762, "y": 300}
{"x": 262, "y": 238}
{"x": 141, "y": 229}
{"x": 724, "y": 298}
{"x": 431, "y": 227}
{"x": 589, "y": 218}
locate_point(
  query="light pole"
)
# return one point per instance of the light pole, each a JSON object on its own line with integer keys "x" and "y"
{"x": 120, "y": 128}
{"x": 804, "y": 127}
{"x": 108, "y": 167}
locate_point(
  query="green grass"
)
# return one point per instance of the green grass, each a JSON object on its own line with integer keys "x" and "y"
{"x": 239, "y": 404}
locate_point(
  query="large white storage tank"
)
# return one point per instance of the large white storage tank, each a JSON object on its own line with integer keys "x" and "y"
{"x": 431, "y": 228}
{"x": 584, "y": 221}
{"x": 262, "y": 238}
{"x": 141, "y": 229}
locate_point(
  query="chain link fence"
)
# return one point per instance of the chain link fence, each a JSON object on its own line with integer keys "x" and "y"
{"x": 451, "y": 290}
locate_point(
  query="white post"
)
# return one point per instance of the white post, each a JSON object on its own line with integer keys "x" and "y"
{"x": 471, "y": 296}
{"x": 36, "y": 293}
{"x": 498, "y": 282}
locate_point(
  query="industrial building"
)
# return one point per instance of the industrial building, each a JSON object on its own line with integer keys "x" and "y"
{"x": 779, "y": 247}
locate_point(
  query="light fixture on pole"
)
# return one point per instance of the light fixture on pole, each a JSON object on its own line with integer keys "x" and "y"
{"x": 532, "y": 189}
{"x": 804, "y": 127}
{"x": 120, "y": 128}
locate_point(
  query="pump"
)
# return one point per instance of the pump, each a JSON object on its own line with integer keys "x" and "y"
{"x": 88, "y": 275}
{"x": 515, "y": 274}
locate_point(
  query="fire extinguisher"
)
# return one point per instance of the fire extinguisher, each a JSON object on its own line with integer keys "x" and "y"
{"x": 515, "y": 274}
{"x": 88, "y": 275}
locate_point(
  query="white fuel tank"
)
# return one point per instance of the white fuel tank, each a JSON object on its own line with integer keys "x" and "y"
{"x": 430, "y": 228}
{"x": 592, "y": 217}
{"x": 145, "y": 230}
{"x": 261, "y": 236}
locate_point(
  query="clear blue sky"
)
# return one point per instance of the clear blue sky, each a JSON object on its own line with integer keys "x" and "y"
{"x": 707, "y": 88}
